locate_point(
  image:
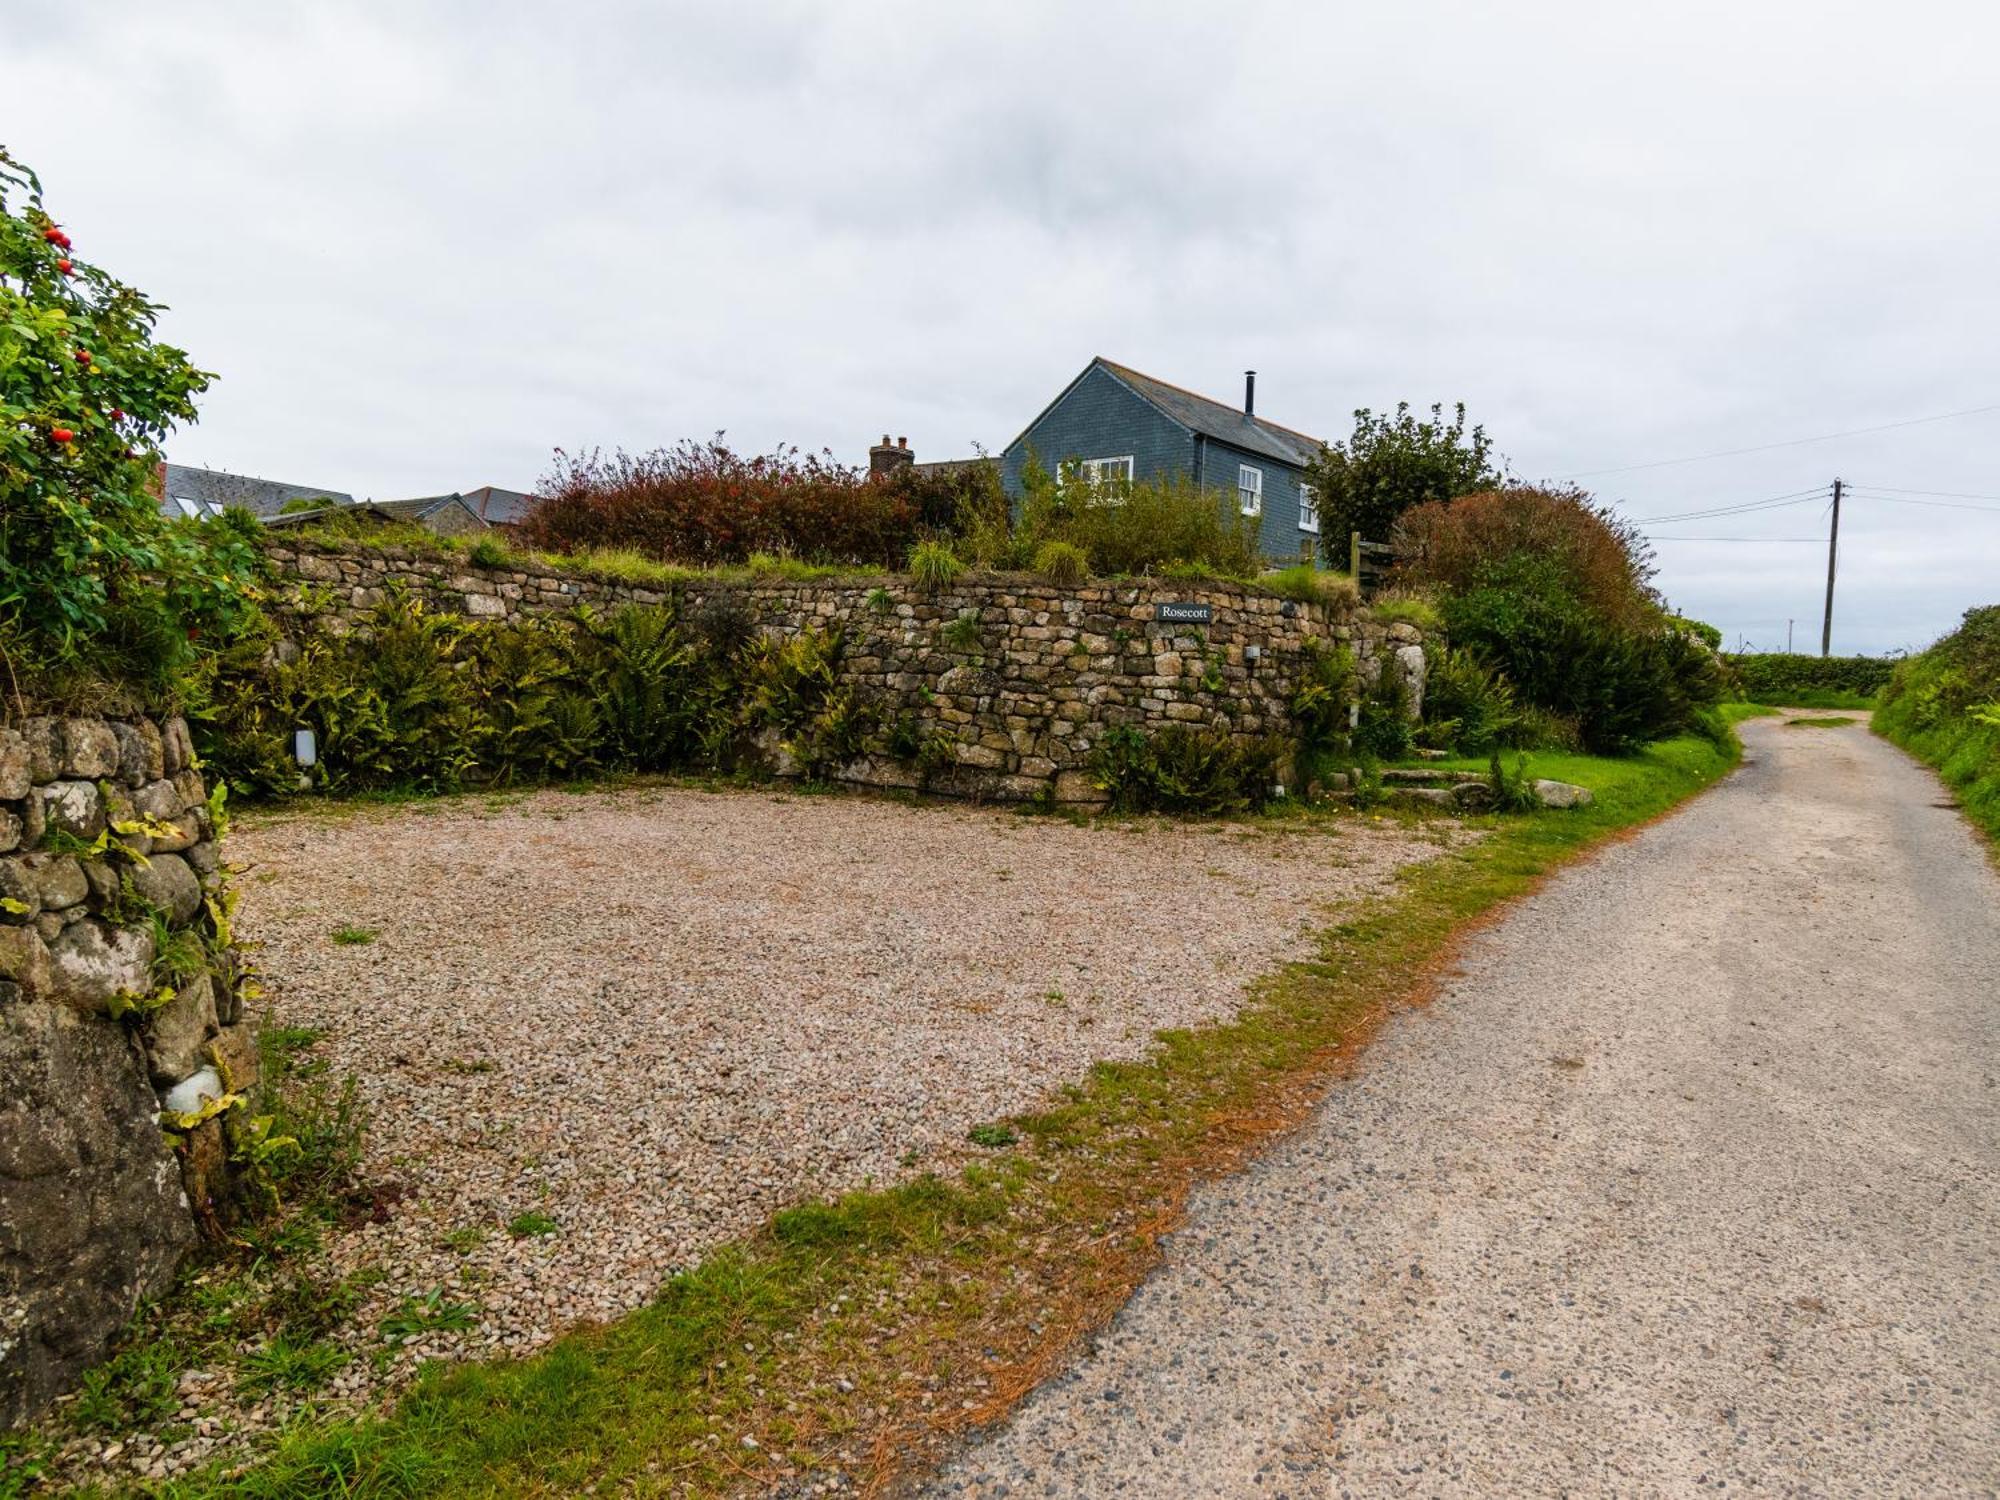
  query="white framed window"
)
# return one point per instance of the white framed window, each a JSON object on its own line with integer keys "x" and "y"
{"x": 1249, "y": 490}
{"x": 1109, "y": 478}
{"x": 1308, "y": 509}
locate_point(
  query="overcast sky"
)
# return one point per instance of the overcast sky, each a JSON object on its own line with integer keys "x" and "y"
{"x": 424, "y": 244}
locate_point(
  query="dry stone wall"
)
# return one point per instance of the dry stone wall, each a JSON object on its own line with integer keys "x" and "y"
{"x": 106, "y": 846}
{"x": 1016, "y": 679}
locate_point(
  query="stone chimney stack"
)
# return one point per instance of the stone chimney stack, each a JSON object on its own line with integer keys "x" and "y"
{"x": 887, "y": 457}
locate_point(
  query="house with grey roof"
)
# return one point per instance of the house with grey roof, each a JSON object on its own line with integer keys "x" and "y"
{"x": 1113, "y": 423}
{"x": 194, "y": 492}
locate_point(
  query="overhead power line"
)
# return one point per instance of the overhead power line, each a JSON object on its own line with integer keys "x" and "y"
{"x": 1932, "y": 504}
{"x": 1813, "y": 539}
{"x": 1824, "y": 437}
{"x": 1738, "y": 508}
{"x": 1897, "y": 489}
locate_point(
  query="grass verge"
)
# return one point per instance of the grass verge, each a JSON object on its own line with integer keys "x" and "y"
{"x": 858, "y": 1337}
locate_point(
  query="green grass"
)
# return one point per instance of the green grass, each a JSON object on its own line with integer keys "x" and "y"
{"x": 350, "y": 937}
{"x": 1306, "y": 584}
{"x": 1823, "y": 698}
{"x": 1966, "y": 755}
{"x": 936, "y": 1292}
{"x": 1943, "y": 706}
{"x": 531, "y": 1225}
{"x": 287, "y": 1364}
{"x": 1836, "y": 722}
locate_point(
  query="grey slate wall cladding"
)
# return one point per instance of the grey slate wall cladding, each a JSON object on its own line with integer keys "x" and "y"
{"x": 1101, "y": 416}
{"x": 1278, "y": 532}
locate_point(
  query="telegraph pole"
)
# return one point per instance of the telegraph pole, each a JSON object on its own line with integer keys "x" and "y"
{"x": 1832, "y": 550}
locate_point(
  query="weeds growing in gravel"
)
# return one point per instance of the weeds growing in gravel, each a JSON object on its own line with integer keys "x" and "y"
{"x": 353, "y": 937}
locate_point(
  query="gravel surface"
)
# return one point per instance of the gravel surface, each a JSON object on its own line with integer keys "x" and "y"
{"x": 1688, "y": 1180}
{"x": 655, "y": 1016}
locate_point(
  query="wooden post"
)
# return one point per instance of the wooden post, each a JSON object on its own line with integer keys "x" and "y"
{"x": 1354, "y": 556}
{"x": 1832, "y": 545}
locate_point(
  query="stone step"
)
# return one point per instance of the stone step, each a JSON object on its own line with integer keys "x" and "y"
{"x": 1418, "y": 776}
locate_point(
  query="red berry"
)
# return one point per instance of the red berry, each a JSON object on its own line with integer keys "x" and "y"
{"x": 83, "y": 356}
{"x": 117, "y": 413}
{"x": 53, "y": 235}
{"x": 61, "y": 434}
{"x": 66, "y": 266}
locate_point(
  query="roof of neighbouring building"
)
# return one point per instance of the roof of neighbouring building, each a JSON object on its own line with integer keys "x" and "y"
{"x": 418, "y": 510}
{"x": 500, "y": 507}
{"x": 186, "y": 490}
{"x": 1211, "y": 418}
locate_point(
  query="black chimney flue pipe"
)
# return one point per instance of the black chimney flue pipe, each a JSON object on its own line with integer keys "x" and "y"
{"x": 1249, "y": 393}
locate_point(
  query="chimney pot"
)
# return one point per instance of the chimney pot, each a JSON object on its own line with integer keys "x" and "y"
{"x": 888, "y": 456}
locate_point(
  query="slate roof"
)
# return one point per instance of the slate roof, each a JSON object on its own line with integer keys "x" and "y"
{"x": 1218, "y": 419}
{"x": 210, "y": 492}
{"x": 418, "y": 510}
{"x": 498, "y": 507}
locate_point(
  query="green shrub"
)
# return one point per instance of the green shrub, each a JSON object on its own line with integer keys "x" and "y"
{"x": 1943, "y": 706}
{"x": 934, "y": 567}
{"x": 1137, "y": 528}
{"x": 1184, "y": 769}
{"x": 490, "y": 552}
{"x": 1468, "y": 706}
{"x": 649, "y": 685}
{"x": 1709, "y": 635}
{"x": 1789, "y": 680}
{"x": 1621, "y": 686}
{"x": 94, "y": 580}
{"x": 1320, "y": 703}
{"x": 1062, "y": 563}
{"x": 1384, "y": 730}
{"x": 1388, "y": 465}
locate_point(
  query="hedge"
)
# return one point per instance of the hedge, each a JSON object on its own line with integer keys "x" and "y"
{"x": 1943, "y": 706}
{"x": 1786, "y": 678}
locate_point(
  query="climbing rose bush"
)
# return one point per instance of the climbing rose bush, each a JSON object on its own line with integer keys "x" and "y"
{"x": 92, "y": 575}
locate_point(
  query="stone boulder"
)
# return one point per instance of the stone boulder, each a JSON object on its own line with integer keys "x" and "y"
{"x": 96, "y": 1219}
{"x": 166, "y": 881}
{"x": 73, "y": 806}
{"x": 91, "y": 963}
{"x": 179, "y": 1032}
{"x": 1560, "y": 793}
{"x": 90, "y": 749}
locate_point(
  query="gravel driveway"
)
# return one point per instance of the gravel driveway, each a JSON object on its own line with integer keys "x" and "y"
{"x": 655, "y": 1016}
{"x": 1688, "y": 1180}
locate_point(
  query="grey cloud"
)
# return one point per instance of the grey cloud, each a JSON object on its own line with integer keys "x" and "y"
{"x": 423, "y": 244}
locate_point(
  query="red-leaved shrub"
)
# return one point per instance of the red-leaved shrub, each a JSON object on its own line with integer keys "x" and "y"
{"x": 702, "y": 504}
{"x": 1603, "y": 559}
